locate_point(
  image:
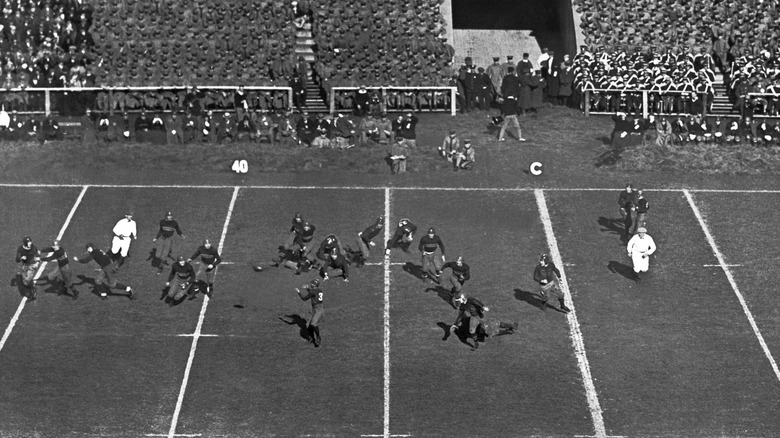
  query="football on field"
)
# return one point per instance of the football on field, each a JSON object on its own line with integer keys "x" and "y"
{"x": 257, "y": 268}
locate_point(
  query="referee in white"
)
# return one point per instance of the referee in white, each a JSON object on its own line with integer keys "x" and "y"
{"x": 124, "y": 231}
{"x": 640, "y": 248}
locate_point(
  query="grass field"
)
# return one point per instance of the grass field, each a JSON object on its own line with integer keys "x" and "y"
{"x": 690, "y": 352}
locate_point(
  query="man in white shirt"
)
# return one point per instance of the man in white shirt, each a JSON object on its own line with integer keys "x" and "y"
{"x": 124, "y": 231}
{"x": 5, "y": 119}
{"x": 640, "y": 248}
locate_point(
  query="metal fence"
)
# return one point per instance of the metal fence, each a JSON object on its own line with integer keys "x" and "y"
{"x": 647, "y": 101}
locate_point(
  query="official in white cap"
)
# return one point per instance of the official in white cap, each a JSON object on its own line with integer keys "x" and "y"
{"x": 124, "y": 232}
{"x": 640, "y": 248}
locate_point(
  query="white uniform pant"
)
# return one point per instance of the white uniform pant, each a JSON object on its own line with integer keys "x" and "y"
{"x": 122, "y": 245}
{"x": 641, "y": 262}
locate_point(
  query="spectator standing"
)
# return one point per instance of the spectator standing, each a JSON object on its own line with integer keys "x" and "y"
{"x": 496, "y": 72}
{"x": 408, "y": 129}
{"x": 509, "y": 113}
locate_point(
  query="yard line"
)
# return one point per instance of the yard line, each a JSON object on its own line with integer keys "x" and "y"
{"x": 727, "y": 271}
{"x": 574, "y": 325}
{"x": 40, "y": 269}
{"x": 197, "y": 334}
{"x": 387, "y": 321}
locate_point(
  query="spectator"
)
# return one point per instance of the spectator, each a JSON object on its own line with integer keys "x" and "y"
{"x": 398, "y": 155}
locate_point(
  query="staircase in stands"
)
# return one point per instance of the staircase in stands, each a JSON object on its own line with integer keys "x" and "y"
{"x": 721, "y": 106}
{"x": 304, "y": 46}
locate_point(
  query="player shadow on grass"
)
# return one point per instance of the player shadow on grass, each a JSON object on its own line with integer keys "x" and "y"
{"x": 414, "y": 270}
{"x": 16, "y": 282}
{"x": 296, "y": 319}
{"x": 53, "y": 287}
{"x": 619, "y": 268}
{"x": 443, "y": 293}
{"x": 614, "y": 226}
{"x": 462, "y": 335}
{"x": 529, "y": 297}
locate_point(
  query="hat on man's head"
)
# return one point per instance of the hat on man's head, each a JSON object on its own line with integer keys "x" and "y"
{"x": 495, "y": 58}
{"x": 525, "y": 55}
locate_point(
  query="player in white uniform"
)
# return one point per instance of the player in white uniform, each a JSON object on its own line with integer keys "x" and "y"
{"x": 124, "y": 232}
{"x": 640, "y": 247}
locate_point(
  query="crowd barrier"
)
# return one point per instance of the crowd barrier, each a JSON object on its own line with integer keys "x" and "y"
{"x": 394, "y": 98}
{"x": 648, "y": 101}
{"x": 70, "y": 101}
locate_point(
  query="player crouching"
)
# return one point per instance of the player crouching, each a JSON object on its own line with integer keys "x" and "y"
{"x": 179, "y": 281}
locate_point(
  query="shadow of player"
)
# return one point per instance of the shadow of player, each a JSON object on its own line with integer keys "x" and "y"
{"x": 461, "y": 333}
{"x": 619, "y": 268}
{"x": 17, "y": 282}
{"x": 529, "y": 297}
{"x": 443, "y": 293}
{"x": 296, "y": 319}
{"x": 414, "y": 270}
{"x": 613, "y": 226}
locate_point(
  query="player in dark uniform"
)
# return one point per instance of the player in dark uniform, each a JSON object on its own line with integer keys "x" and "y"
{"x": 164, "y": 241}
{"x": 402, "y": 237}
{"x": 313, "y": 293}
{"x": 640, "y": 213}
{"x": 626, "y": 201}
{"x": 548, "y": 277}
{"x": 179, "y": 280}
{"x": 304, "y": 237}
{"x": 28, "y": 257}
{"x": 63, "y": 271}
{"x": 431, "y": 264}
{"x": 472, "y": 309}
{"x": 459, "y": 273}
{"x": 209, "y": 259}
{"x": 292, "y": 259}
{"x": 336, "y": 260}
{"x": 366, "y": 236}
{"x": 327, "y": 247}
{"x": 295, "y": 230}
{"x": 107, "y": 271}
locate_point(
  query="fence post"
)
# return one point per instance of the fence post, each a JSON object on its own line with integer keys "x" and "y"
{"x": 332, "y": 98}
{"x": 47, "y": 101}
{"x": 453, "y": 101}
{"x": 645, "y": 111}
{"x": 586, "y": 103}
{"x": 111, "y": 101}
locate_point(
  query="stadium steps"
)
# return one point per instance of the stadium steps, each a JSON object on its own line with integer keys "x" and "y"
{"x": 721, "y": 105}
{"x": 304, "y": 46}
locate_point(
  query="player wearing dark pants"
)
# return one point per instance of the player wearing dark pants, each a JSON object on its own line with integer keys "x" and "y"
{"x": 179, "y": 280}
{"x": 164, "y": 241}
{"x": 336, "y": 260}
{"x": 313, "y": 293}
{"x": 548, "y": 277}
{"x": 106, "y": 278}
{"x": 327, "y": 247}
{"x": 626, "y": 201}
{"x": 366, "y": 236}
{"x": 209, "y": 259}
{"x": 402, "y": 237}
{"x": 640, "y": 212}
{"x": 473, "y": 310}
{"x": 28, "y": 257}
{"x": 63, "y": 271}
{"x": 459, "y": 273}
{"x": 295, "y": 230}
{"x": 431, "y": 264}
{"x": 291, "y": 259}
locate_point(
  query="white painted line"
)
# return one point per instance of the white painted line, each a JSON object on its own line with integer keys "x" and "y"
{"x": 393, "y": 435}
{"x": 718, "y": 266}
{"x": 197, "y": 334}
{"x": 19, "y": 309}
{"x": 384, "y": 263}
{"x": 412, "y": 188}
{"x": 202, "y": 335}
{"x": 574, "y": 325}
{"x": 730, "y": 277}
{"x": 387, "y": 321}
{"x": 178, "y": 434}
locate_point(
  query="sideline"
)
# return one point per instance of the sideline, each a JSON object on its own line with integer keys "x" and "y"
{"x": 41, "y": 268}
{"x": 574, "y": 325}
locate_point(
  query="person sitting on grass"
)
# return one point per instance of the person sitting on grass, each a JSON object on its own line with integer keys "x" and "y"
{"x": 321, "y": 141}
{"x": 450, "y": 144}
{"x": 399, "y": 152}
{"x": 465, "y": 158}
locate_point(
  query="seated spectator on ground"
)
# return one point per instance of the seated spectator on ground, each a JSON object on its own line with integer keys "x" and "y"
{"x": 50, "y": 129}
{"x": 321, "y": 141}
{"x": 344, "y": 132}
{"x": 450, "y": 145}
{"x": 465, "y": 158}
{"x": 369, "y": 129}
{"x": 399, "y": 154}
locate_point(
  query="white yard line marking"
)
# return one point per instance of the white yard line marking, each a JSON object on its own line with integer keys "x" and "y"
{"x": 197, "y": 334}
{"x": 574, "y": 325}
{"x": 38, "y": 273}
{"x": 385, "y": 436}
{"x": 718, "y": 266}
{"x": 730, "y": 277}
{"x": 413, "y": 188}
{"x": 387, "y": 322}
{"x": 384, "y": 263}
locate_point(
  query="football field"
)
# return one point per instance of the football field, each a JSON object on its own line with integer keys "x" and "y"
{"x": 689, "y": 352}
